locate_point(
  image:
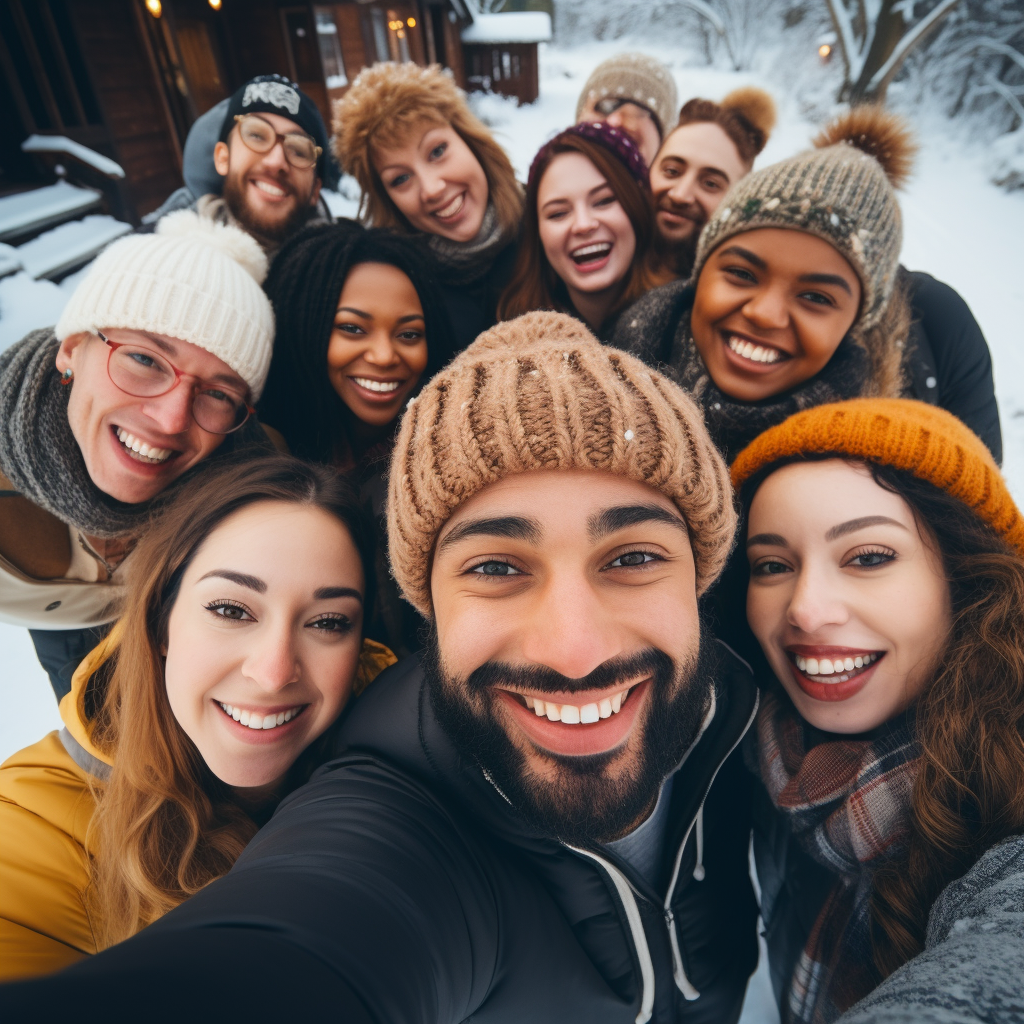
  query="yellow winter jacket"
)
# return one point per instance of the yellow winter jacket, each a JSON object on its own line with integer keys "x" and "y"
{"x": 45, "y": 809}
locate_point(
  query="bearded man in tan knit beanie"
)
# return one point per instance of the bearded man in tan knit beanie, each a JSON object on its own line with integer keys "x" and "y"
{"x": 543, "y": 818}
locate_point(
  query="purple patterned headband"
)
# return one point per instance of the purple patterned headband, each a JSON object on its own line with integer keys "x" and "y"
{"x": 615, "y": 140}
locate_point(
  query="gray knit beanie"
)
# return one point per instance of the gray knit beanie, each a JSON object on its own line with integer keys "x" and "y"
{"x": 843, "y": 191}
{"x": 635, "y": 77}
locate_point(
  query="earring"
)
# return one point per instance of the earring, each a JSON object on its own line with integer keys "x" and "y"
{"x": 67, "y": 376}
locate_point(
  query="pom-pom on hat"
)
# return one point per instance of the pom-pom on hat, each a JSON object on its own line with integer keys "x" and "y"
{"x": 615, "y": 140}
{"x": 637, "y": 78}
{"x": 843, "y": 191}
{"x": 921, "y": 439}
{"x": 540, "y": 392}
{"x": 194, "y": 280}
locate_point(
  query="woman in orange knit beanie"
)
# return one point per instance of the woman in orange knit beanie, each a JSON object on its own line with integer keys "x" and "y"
{"x": 886, "y": 591}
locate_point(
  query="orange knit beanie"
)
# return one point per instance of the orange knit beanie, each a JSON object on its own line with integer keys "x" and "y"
{"x": 922, "y": 439}
{"x": 540, "y": 392}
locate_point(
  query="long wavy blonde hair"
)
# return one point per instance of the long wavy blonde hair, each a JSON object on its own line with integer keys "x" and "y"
{"x": 164, "y": 825}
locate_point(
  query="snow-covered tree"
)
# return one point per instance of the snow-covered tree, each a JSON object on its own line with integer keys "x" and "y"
{"x": 875, "y": 37}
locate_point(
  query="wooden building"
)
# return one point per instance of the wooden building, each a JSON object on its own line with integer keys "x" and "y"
{"x": 500, "y": 52}
{"x": 128, "y": 77}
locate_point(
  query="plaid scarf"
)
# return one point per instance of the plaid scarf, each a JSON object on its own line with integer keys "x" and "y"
{"x": 847, "y": 802}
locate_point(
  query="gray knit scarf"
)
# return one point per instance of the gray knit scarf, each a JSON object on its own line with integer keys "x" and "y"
{"x": 466, "y": 262}
{"x": 40, "y": 456}
{"x": 656, "y": 328}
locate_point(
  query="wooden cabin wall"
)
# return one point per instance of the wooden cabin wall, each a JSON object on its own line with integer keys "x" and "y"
{"x": 138, "y": 128}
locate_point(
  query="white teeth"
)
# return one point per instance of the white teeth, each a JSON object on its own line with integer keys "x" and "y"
{"x": 598, "y": 248}
{"x": 570, "y": 714}
{"x": 453, "y": 207}
{"x": 833, "y": 670}
{"x": 378, "y": 385}
{"x": 143, "y": 450}
{"x": 755, "y": 353}
{"x": 254, "y": 720}
{"x": 271, "y": 190}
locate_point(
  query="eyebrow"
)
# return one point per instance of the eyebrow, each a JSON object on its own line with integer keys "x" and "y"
{"x": 746, "y": 254}
{"x": 566, "y": 199}
{"x": 600, "y": 524}
{"x": 241, "y": 578}
{"x": 369, "y": 316}
{"x": 833, "y": 533}
{"x": 167, "y": 348}
{"x": 326, "y": 593}
{"x": 706, "y": 169}
{"x": 513, "y": 527}
{"x": 853, "y": 525}
{"x": 828, "y": 279}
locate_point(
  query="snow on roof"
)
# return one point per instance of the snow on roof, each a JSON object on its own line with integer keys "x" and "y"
{"x": 511, "y": 27}
{"x": 61, "y": 144}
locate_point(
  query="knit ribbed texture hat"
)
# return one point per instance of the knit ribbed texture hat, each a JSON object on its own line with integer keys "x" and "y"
{"x": 615, "y": 140}
{"x": 193, "y": 280}
{"x": 843, "y": 192}
{"x": 635, "y": 77}
{"x": 540, "y": 392}
{"x": 921, "y": 439}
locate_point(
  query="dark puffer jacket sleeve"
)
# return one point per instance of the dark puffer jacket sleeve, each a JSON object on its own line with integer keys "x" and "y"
{"x": 362, "y": 895}
{"x": 949, "y": 363}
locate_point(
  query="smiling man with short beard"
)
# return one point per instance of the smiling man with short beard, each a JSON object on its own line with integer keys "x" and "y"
{"x": 544, "y": 818}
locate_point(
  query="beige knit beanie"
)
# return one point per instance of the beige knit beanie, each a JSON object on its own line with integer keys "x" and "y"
{"x": 843, "y": 191}
{"x": 194, "y": 280}
{"x": 540, "y": 392}
{"x": 635, "y": 77}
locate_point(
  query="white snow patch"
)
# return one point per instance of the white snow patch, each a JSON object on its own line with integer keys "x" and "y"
{"x": 62, "y": 144}
{"x": 68, "y": 244}
{"x": 25, "y": 691}
{"x": 510, "y": 27}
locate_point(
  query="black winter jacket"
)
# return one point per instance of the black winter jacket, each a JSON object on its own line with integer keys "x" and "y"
{"x": 398, "y": 886}
{"x": 948, "y": 361}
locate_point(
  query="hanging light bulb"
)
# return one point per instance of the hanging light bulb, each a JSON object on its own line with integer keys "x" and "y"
{"x": 411, "y": 22}
{"x": 155, "y": 8}
{"x": 216, "y": 4}
{"x": 824, "y": 51}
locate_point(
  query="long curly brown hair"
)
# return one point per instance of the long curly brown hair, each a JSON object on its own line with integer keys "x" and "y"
{"x": 969, "y": 790}
{"x": 165, "y": 825}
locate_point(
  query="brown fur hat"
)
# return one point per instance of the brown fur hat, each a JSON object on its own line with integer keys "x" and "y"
{"x": 540, "y": 392}
{"x": 389, "y": 102}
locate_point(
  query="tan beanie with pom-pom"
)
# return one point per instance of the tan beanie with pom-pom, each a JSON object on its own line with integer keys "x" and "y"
{"x": 843, "y": 191}
{"x": 540, "y": 392}
{"x": 194, "y": 280}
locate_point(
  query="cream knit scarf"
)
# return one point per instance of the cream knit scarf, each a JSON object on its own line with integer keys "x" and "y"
{"x": 466, "y": 262}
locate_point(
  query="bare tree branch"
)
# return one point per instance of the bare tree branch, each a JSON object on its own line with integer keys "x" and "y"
{"x": 929, "y": 22}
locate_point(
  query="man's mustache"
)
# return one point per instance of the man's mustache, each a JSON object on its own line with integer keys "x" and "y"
{"x": 689, "y": 212}
{"x": 538, "y": 679}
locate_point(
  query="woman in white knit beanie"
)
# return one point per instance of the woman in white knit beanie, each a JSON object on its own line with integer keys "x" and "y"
{"x": 154, "y": 365}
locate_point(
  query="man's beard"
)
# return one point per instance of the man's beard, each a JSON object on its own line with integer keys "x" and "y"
{"x": 274, "y": 231}
{"x": 678, "y": 256}
{"x": 590, "y": 802}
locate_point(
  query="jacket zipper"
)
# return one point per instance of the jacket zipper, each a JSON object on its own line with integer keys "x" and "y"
{"x": 678, "y": 972}
{"x": 636, "y": 927}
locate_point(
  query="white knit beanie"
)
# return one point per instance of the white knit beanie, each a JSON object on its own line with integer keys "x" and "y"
{"x": 194, "y": 280}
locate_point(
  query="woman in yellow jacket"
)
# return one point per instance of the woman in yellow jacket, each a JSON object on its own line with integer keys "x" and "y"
{"x": 212, "y": 698}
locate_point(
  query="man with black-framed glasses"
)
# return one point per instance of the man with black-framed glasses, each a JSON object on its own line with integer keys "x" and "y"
{"x": 258, "y": 161}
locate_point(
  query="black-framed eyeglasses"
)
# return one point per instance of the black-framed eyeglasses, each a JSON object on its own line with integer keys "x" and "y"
{"x": 142, "y": 373}
{"x": 261, "y": 137}
{"x": 630, "y": 109}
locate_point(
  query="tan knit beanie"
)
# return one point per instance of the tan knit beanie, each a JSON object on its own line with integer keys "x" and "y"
{"x": 194, "y": 280}
{"x": 540, "y": 392}
{"x": 843, "y": 191}
{"x": 635, "y": 77}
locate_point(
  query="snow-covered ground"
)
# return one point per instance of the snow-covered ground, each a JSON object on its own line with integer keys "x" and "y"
{"x": 957, "y": 226}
